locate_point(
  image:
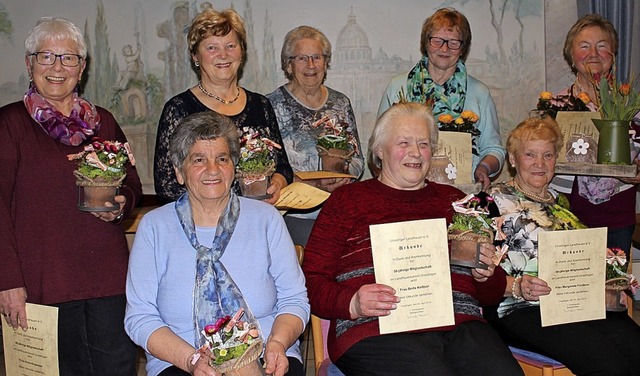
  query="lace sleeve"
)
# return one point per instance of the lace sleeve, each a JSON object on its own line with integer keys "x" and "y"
{"x": 164, "y": 177}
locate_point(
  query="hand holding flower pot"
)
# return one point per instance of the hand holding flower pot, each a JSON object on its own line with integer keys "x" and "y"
{"x": 256, "y": 164}
{"x": 335, "y": 146}
{"x": 470, "y": 226}
{"x": 101, "y": 170}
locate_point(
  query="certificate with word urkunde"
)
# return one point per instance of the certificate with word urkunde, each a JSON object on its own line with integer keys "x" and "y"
{"x": 573, "y": 263}
{"x": 35, "y": 351}
{"x": 413, "y": 258}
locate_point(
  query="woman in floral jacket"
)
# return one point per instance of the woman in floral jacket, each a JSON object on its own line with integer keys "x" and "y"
{"x": 527, "y": 207}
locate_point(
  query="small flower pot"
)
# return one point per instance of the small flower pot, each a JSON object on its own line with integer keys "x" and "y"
{"x": 615, "y": 297}
{"x": 93, "y": 198}
{"x": 335, "y": 160}
{"x": 255, "y": 185}
{"x": 465, "y": 249}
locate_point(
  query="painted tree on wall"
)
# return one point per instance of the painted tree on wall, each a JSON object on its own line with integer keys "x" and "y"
{"x": 6, "y": 29}
{"x": 101, "y": 72}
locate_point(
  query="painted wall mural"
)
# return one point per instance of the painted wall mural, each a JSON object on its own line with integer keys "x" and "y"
{"x": 139, "y": 58}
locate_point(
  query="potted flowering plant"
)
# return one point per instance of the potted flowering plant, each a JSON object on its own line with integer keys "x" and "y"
{"x": 463, "y": 123}
{"x": 235, "y": 346}
{"x": 256, "y": 164}
{"x": 336, "y": 146}
{"x": 100, "y": 172}
{"x": 618, "y": 280}
{"x": 471, "y": 225}
{"x": 550, "y": 105}
{"x": 618, "y": 103}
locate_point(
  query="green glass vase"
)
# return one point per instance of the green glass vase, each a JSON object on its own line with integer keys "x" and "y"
{"x": 613, "y": 142}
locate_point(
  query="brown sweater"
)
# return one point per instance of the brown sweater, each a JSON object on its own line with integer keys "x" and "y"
{"x": 47, "y": 245}
{"x": 338, "y": 258}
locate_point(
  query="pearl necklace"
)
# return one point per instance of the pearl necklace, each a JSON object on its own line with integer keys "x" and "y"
{"x": 217, "y": 97}
{"x": 548, "y": 199}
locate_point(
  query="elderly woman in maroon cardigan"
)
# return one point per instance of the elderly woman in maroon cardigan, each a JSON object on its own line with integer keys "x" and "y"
{"x": 341, "y": 283}
{"x": 51, "y": 252}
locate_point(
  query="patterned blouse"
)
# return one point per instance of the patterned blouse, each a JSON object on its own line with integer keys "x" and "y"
{"x": 257, "y": 114}
{"x": 520, "y": 221}
{"x": 300, "y": 138}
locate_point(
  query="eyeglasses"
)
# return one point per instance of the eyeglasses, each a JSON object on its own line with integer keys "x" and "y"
{"x": 304, "y": 59}
{"x": 453, "y": 44}
{"x": 49, "y": 58}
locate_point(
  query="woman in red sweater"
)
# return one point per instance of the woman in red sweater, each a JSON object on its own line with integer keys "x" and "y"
{"x": 341, "y": 283}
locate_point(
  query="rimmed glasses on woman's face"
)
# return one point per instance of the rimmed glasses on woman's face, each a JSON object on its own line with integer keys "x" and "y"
{"x": 437, "y": 42}
{"x": 304, "y": 59}
{"x": 308, "y": 63}
{"x": 49, "y": 58}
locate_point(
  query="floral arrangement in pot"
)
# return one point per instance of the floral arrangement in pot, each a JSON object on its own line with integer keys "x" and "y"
{"x": 618, "y": 280}
{"x": 336, "y": 146}
{"x": 550, "y": 105}
{"x": 100, "y": 172}
{"x": 235, "y": 346}
{"x": 256, "y": 164}
{"x": 471, "y": 225}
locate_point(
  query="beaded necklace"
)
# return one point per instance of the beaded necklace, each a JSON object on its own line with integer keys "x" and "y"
{"x": 548, "y": 199}
{"x": 217, "y": 97}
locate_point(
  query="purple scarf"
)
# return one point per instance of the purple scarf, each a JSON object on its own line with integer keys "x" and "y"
{"x": 83, "y": 121}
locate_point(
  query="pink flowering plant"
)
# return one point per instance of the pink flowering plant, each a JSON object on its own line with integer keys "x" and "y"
{"x": 474, "y": 213}
{"x": 256, "y": 153}
{"x": 103, "y": 159}
{"x": 617, "y": 267}
{"x": 335, "y": 135}
{"x": 230, "y": 337}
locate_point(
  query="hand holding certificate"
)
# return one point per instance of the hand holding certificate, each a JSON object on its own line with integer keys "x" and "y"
{"x": 35, "y": 351}
{"x": 413, "y": 258}
{"x": 573, "y": 264}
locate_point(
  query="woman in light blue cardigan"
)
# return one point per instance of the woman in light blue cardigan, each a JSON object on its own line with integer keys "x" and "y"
{"x": 249, "y": 243}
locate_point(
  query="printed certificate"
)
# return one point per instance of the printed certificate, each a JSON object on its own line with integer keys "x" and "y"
{"x": 573, "y": 263}
{"x": 34, "y": 352}
{"x": 413, "y": 258}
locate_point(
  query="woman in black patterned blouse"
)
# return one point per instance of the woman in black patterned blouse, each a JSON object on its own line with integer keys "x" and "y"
{"x": 217, "y": 44}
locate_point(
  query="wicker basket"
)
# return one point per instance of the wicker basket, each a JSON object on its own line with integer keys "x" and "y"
{"x": 248, "y": 364}
{"x": 615, "y": 294}
{"x": 465, "y": 248}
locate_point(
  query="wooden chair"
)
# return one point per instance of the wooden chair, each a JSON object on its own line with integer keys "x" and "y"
{"x": 319, "y": 330}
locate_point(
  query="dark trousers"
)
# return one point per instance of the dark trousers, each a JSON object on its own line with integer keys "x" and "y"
{"x": 472, "y": 348}
{"x": 608, "y": 347}
{"x": 92, "y": 340}
{"x": 299, "y": 229}
{"x": 295, "y": 369}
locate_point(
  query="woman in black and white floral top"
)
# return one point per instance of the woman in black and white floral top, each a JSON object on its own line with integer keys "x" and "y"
{"x": 527, "y": 207}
